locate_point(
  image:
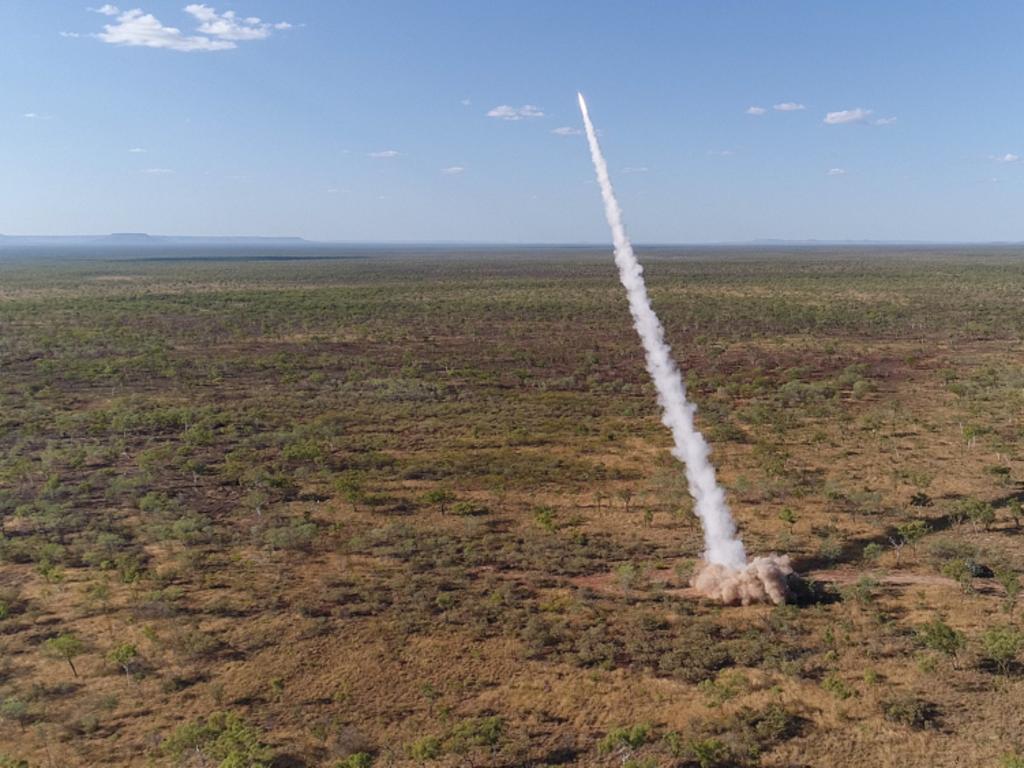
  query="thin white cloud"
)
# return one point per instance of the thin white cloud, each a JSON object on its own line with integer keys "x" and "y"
{"x": 843, "y": 116}
{"x": 453, "y": 170}
{"x": 35, "y": 116}
{"x": 136, "y": 150}
{"x": 788, "y": 106}
{"x": 159, "y": 171}
{"x": 835, "y": 172}
{"x": 217, "y": 31}
{"x": 1009, "y": 157}
{"x": 384, "y": 154}
{"x": 567, "y": 130}
{"x": 466, "y": 102}
{"x": 635, "y": 169}
{"x": 756, "y": 111}
{"x": 505, "y": 112}
{"x": 229, "y": 26}
{"x": 885, "y": 121}
{"x": 721, "y": 152}
{"x": 136, "y": 28}
{"x": 69, "y": 34}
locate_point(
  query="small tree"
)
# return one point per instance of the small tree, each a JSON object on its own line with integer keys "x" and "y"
{"x": 872, "y": 551}
{"x": 256, "y": 499}
{"x": 222, "y": 739}
{"x": 1001, "y": 646}
{"x": 978, "y": 512}
{"x": 545, "y": 517}
{"x": 195, "y": 467}
{"x": 65, "y": 646}
{"x": 15, "y": 710}
{"x": 625, "y": 496}
{"x": 352, "y": 488}
{"x": 937, "y": 635}
{"x": 907, "y": 533}
{"x": 124, "y": 656}
{"x": 442, "y": 497}
{"x": 1010, "y": 581}
{"x": 1013, "y": 506}
{"x": 981, "y": 513}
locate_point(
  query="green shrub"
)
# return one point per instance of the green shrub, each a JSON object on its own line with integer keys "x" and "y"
{"x": 977, "y": 511}
{"x": 1016, "y": 511}
{"x": 14, "y": 710}
{"x": 872, "y": 551}
{"x": 937, "y": 635}
{"x": 358, "y": 760}
{"x": 862, "y": 592}
{"x": 711, "y": 753}
{"x": 632, "y": 737}
{"x": 545, "y": 517}
{"x": 426, "y": 748}
{"x": 223, "y": 739}
{"x": 468, "y": 509}
{"x": 728, "y": 685}
{"x": 835, "y": 685}
{"x": 910, "y": 711}
{"x": 1002, "y": 645}
{"x": 298, "y": 535}
{"x": 475, "y": 732}
{"x": 629, "y": 575}
{"x": 155, "y": 501}
{"x": 1010, "y": 582}
{"x": 441, "y": 497}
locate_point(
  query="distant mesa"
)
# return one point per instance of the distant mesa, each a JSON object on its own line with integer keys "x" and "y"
{"x": 130, "y": 237}
{"x": 144, "y": 239}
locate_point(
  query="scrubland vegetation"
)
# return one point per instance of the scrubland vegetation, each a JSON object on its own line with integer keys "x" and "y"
{"x": 420, "y": 511}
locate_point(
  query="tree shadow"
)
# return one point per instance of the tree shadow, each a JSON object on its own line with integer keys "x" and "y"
{"x": 808, "y": 592}
{"x": 1017, "y": 493}
{"x": 852, "y": 550}
{"x": 288, "y": 761}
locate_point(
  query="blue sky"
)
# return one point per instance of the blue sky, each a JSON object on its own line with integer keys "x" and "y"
{"x": 389, "y": 121}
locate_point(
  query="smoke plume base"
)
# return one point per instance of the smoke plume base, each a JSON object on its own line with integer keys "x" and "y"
{"x": 762, "y": 580}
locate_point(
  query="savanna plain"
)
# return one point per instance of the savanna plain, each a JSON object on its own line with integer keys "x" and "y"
{"x": 416, "y": 507}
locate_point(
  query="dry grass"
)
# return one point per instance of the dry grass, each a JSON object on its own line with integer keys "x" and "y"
{"x": 229, "y": 467}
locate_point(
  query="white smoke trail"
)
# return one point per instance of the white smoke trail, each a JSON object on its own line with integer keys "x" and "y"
{"x": 722, "y": 546}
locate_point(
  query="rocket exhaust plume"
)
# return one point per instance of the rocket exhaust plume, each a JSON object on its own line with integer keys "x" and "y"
{"x": 722, "y": 547}
{"x": 726, "y": 576}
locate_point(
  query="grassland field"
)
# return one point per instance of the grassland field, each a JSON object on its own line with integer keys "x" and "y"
{"x": 416, "y": 507}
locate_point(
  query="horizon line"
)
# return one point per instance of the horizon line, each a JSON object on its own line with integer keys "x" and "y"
{"x": 300, "y": 240}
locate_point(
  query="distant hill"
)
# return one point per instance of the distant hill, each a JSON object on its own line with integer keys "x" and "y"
{"x": 143, "y": 239}
{"x": 768, "y": 241}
